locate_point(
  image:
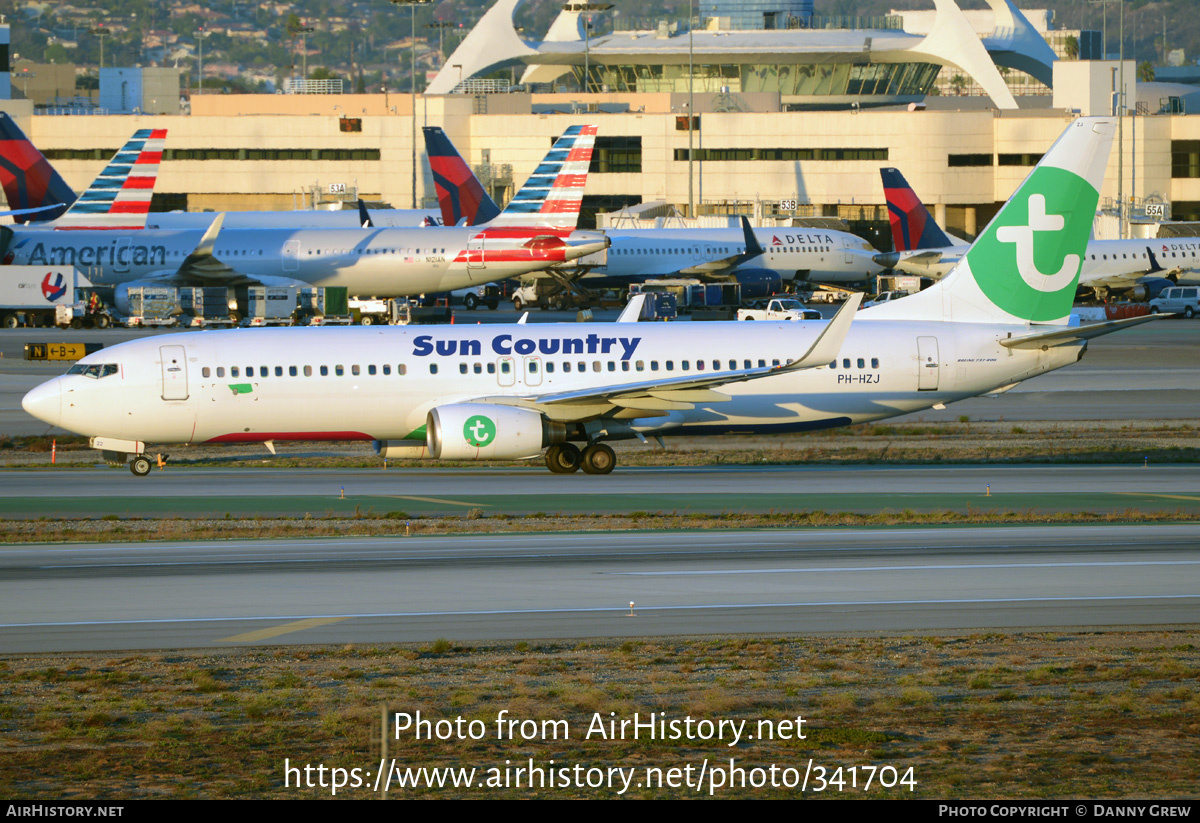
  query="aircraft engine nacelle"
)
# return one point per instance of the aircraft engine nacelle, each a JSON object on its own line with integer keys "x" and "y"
{"x": 480, "y": 431}
{"x": 758, "y": 283}
{"x": 1149, "y": 288}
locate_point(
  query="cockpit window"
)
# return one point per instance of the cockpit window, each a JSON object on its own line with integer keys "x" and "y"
{"x": 93, "y": 370}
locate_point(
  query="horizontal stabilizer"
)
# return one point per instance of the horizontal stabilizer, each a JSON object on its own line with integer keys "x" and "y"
{"x": 1069, "y": 335}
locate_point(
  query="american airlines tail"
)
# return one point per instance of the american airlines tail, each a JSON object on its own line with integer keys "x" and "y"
{"x": 35, "y": 191}
{"x": 913, "y": 227}
{"x": 120, "y": 197}
{"x": 460, "y": 194}
{"x": 553, "y": 195}
{"x": 1025, "y": 266}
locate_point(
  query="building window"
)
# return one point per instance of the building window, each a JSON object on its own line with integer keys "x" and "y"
{"x": 962, "y": 160}
{"x": 1019, "y": 159}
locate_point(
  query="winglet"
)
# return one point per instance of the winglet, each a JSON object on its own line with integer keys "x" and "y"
{"x": 633, "y": 309}
{"x": 364, "y": 216}
{"x": 828, "y": 344}
{"x": 1154, "y": 266}
{"x": 207, "y": 243}
{"x": 753, "y": 247}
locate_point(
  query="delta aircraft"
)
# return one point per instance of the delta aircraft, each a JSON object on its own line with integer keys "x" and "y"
{"x": 1140, "y": 268}
{"x": 120, "y": 195}
{"x": 536, "y": 231}
{"x": 513, "y": 391}
{"x": 760, "y": 259}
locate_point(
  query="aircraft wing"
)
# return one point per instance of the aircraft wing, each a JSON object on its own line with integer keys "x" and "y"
{"x": 1071, "y": 334}
{"x": 649, "y": 397}
{"x": 203, "y": 265}
{"x": 751, "y": 250}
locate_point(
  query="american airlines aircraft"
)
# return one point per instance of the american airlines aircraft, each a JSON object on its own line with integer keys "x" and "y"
{"x": 511, "y": 391}
{"x": 537, "y": 230}
{"x": 120, "y": 196}
{"x": 1142, "y": 268}
{"x": 758, "y": 257}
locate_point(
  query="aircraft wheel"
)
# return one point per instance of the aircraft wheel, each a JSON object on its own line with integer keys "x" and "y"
{"x": 140, "y": 466}
{"x": 470, "y": 302}
{"x": 563, "y": 458}
{"x": 598, "y": 458}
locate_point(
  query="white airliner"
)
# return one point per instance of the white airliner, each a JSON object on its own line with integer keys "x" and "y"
{"x": 512, "y": 391}
{"x": 537, "y": 230}
{"x": 755, "y": 257}
{"x": 1140, "y": 268}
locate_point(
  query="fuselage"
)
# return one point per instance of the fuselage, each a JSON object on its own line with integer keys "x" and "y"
{"x": 815, "y": 255}
{"x": 385, "y": 262}
{"x": 380, "y": 383}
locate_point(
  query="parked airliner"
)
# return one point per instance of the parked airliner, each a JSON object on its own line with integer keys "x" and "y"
{"x": 511, "y": 391}
{"x": 764, "y": 258}
{"x": 537, "y": 230}
{"x": 1140, "y": 268}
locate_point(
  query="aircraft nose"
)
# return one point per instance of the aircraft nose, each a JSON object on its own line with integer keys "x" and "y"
{"x": 44, "y": 402}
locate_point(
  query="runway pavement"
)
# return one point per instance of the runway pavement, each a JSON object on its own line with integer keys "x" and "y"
{"x": 224, "y": 594}
{"x": 432, "y": 491}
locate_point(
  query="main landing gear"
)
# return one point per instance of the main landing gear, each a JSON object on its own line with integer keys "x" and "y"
{"x": 565, "y": 458}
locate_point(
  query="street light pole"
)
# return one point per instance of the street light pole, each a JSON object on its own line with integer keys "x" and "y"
{"x": 100, "y": 32}
{"x": 413, "y": 4}
{"x": 691, "y": 110}
{"x": 587, "y": 35}
{"x": 200, "y": 35}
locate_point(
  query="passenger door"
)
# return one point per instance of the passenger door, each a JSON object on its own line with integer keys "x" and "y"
{"x": 174, "y": 373}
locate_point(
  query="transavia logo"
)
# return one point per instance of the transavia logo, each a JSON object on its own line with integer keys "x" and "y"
{"x": 479, "y": 431}
{"x": 54, "y": 285}
{"x": 1042, "y": 234}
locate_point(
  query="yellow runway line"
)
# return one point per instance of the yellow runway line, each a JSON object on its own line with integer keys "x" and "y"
{"x": 286, "y": 628}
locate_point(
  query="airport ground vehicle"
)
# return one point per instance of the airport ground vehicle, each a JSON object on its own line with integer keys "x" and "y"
{"x": 778, "y": 308}
{"x": 885, "y": 297}
{"x": 1183, "y": 300}
{"x": 49, "y": 296}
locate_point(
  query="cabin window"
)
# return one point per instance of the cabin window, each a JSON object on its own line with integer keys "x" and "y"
{"x": 478, "y": 368}
{"x": 433, "y": 368}
{"x": 612, "y": 366}
{"x": 641, "y": 365}
{"x": 339, "y": 370}
{"x": 653, "y": 365}
{"x": 581, "y": 366}
{"x": 291, "y": 371}
{"x": 774, "y": 362}
{"x": 595, "y": 365}
{"x": 845, "y": 362}
{"x": 204, "y": 371}
{"x": 505, "y": 367}
{"x": 624, "y": 365}
{"x": 279, "y": 371}
{"x": 762, "y": 364}
{"x": 833, "y": 365}
{"x": 686, "y": 365}
{"x": 699, "y": 365}
{"x": 746, "y": 364}
{"x": 308, "y": 371}
{"x": 401, "y": 370}
{"x": 370, "y": 369}
{"x": 550, "y": 366}
{"x": 491, "y": 368}
{"x": 567, "y": 366}
{"x": 355, "y": 370}
{"x": 233, "y": 371}
{"x": 862, "y": 364}
{"x": 670, "y": 365}
{"x": 462, "y": 368}
{"x": 387, "y": 369}
{"x": 264, "y": 371}
{"x": 324, "y": 371}
{"x": 532, "y": 365}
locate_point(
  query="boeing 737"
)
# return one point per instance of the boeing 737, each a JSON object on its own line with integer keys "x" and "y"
{"x": 513, "y": 391}
{"x": 537, "y": 230}
{"x": 1139, "y": 268}
{"x": 759, "y": 258}
{"x": 120, "y": 196}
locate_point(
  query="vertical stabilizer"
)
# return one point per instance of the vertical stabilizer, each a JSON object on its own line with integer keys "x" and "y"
{"x": 553, "y": 194}
{"x": 460, "y": 194}
{"x": 913, "y": 227}
{"x": 29, "y": 181}
{"x": 120, "y": 197}
{"x": 1024, "y": 267}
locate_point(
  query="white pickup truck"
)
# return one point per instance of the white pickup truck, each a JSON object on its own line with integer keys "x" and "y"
{"x": 779, "y": 308}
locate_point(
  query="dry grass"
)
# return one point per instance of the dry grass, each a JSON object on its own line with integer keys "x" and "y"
{"x": 1027, "y": 715}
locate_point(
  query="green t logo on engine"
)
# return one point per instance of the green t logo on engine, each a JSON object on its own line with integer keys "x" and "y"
{"x": 479, "y": 431}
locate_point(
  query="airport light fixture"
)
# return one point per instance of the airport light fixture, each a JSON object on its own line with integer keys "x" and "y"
{"x": 441, "y": 26}
{"x": 1118, "y": 109}
{"x": 101, "y": 32}
{"x": 586, "y": 8}
{"x": 413, "y": 4}
{"x": 200, "y": 35}
{"x": 304, "y": 32}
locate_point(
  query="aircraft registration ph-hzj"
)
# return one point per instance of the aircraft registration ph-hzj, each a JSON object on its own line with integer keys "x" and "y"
{"x": 508, "y": 392}
{"x": 1140, "y": 268}
{"x": 535, "y": 231}
{"x": 760, "y": 259}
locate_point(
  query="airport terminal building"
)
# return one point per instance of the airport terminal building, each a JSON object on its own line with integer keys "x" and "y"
{"x": 760, "y": 150}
